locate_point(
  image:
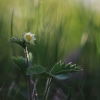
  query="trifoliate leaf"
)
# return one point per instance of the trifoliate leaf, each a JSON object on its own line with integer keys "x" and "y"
{"x": 60, "y": 71}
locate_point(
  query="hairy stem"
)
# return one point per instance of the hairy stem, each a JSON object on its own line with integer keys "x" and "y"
{"x": 28, "y": 76}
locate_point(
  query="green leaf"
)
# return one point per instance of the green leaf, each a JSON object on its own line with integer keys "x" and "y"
{"x": 40, "y": 70}
{"x": 60, "y": 71}
{"x": 56, "y": 68}
{"x": 60, "y": 76}
{"x": 37, "y": 69}
{"x": 21, "y": 63}
{"x": 18, "y": 41}
{"x": 62, "y": 68}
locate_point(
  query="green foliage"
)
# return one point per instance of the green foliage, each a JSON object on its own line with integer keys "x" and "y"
{"x": 19, "y": 41}
{"x": 60, "y": 70}
{"x": 36, "y": 70}
{"x": 21, "y": 63}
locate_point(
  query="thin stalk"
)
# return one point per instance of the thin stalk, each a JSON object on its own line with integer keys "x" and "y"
{"x": 34, "y": 93}
{"x": 47, "y": 88}
{"x": 28, "y": 76}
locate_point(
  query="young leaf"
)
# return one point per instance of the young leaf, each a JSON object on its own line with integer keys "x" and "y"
{"x": 18, "y": 41}
{"x": 30, "y": 57}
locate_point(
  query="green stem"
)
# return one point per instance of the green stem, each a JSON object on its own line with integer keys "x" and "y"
{"x": 47, "y": 88}
{"x": 28, "y": 76}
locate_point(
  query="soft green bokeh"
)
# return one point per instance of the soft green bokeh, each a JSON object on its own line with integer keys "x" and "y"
{"x": 59, "y": 26}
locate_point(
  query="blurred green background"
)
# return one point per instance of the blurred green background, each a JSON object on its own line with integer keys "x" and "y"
{"x": 61, "y": 27}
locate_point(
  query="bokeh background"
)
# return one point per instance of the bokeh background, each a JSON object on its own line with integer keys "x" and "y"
{"x": 67, "y": 30}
